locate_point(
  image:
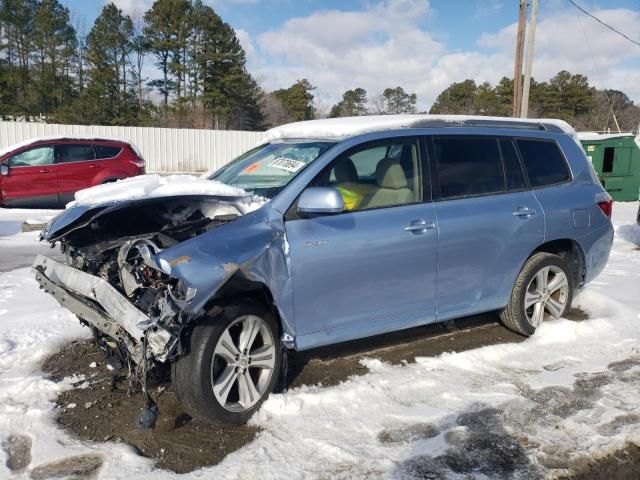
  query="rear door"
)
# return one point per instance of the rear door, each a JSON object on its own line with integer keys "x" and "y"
{"x": 488, "y": 222}
{"x": 76, "y": 168}
{"x": 32, "y": 179}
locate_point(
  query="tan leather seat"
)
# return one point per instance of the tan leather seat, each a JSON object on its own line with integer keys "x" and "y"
{"x": 392, "y": 188}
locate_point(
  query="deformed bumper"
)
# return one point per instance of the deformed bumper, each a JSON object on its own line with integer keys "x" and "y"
{"x": 99, "y": 304}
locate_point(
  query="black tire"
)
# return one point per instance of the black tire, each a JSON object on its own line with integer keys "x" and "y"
{"x": 514, "y": 316}
{"x": 192, "y": 373}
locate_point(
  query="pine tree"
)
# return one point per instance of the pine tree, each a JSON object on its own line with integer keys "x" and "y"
{"x": 54, "y": 43}
{"x": 298, "y": 100}
{"x": 167, "y": 29}
{"x": 16, "y": 32}
{"x": 353, "y": 103}
{"x": 398, "y": 101}
{"x": 109, "y": 44}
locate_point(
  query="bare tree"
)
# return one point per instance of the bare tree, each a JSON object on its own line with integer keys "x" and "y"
{"x": 273, "y": 111}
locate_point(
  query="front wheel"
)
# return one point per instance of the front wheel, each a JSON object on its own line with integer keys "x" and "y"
{"x": 232, "y": 364}
{"x": 543, "y": 291}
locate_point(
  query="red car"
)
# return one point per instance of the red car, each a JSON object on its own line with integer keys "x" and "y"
{"x": 48, "y": 172}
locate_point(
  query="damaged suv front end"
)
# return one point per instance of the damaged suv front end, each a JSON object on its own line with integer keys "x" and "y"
{"x": 142, "y": 272}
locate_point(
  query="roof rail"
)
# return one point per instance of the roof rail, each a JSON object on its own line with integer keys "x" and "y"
{"x": 508, "y": 124}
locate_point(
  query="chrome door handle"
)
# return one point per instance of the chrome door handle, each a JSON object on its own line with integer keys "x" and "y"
{"x": 93, "y": 166}
{"x": 524, "y": 212}
{"x": 419, "y": 226}
{"x": 45, "y": 170}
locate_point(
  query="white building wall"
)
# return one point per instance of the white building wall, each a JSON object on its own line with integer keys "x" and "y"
{"x": 167, "y": 150}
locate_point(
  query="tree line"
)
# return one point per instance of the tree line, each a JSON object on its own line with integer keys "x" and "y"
{"x": 565, "y": 96}
{"x": 52, "y": 70}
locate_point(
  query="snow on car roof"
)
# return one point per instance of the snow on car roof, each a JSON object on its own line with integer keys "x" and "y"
{"x": 595, "y": 136}
{"x": 351, "y": 126}
{"x": 53, "y": 138}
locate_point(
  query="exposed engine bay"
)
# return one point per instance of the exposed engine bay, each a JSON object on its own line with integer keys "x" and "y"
{"x": 119, "y": 246}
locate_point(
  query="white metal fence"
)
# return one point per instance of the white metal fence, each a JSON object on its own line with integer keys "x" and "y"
{"x": 169, "y": 150}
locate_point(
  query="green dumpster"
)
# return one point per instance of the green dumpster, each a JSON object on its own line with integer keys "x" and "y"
{"x": 616, "y": 160}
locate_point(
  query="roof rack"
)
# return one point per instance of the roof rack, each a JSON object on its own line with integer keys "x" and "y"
{"x": 508, "y": 124}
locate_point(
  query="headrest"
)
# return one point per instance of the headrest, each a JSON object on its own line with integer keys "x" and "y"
{"x": 389, "y": 174}
{"x": 345, "y": 171}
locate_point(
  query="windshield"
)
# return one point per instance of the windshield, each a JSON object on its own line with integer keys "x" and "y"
{"x": 267, "y": 169}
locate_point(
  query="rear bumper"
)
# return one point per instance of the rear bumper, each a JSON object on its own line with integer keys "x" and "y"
{"x": 98, "y": 304}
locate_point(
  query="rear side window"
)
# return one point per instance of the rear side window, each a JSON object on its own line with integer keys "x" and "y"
{"x": 75, "y": 153}
{"x": 468, "y": 166}
{"x": 512, "y": 168}
{"x": 543, "y": 162}
{"x": 104, "y": 151}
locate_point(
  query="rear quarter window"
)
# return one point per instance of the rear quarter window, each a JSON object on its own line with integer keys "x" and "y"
{"x": 543, "y": 162}
{"x": 104, "y": 151}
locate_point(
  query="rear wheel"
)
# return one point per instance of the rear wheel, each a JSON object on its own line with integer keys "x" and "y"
{"x": 231, "y": 366}
{"x": 543, "y": 291}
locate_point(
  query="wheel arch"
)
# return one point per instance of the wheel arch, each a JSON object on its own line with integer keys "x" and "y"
{"x": 239, "y": 288}
{"x": 570, "y": 251}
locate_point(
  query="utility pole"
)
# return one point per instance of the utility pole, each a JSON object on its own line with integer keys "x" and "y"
{"x": 517, "y": 74}
{"x": 531, "y": 37}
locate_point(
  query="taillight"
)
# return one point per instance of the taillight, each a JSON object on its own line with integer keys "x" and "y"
{"x": 138, "y": 162}
{"x": 606, "y": 207}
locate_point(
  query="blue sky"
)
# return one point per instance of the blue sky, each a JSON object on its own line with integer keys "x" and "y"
{"x": 418, "y": 44}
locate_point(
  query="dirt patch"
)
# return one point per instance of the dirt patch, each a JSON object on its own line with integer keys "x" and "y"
{"x": 17, "y": 448}
{"x": 98, "y": 407}
{"x": 622, "y": 464}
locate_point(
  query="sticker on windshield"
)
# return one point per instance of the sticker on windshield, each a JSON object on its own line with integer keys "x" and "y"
{"x": 288, "y": 164}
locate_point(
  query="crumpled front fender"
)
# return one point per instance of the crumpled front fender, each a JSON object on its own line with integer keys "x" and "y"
{"x": 253, "y": 246}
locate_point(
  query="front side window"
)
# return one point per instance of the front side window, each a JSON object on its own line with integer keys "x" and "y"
{"x": 75, "y": 153}
{"x": 386, "y": 174}
{"x": 267, "y": 169}
{"x": 33, "y": 157}
{"x": 543, "y": 162}
{"x": 468, "y": 166}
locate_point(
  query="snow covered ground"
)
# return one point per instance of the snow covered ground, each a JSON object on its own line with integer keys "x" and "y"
{"x": 539, "y": 407}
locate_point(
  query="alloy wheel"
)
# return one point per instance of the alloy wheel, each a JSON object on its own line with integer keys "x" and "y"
{"x": 243, "y": 363}
{"x": 546, "y": 295}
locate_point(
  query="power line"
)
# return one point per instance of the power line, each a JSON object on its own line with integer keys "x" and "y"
{"x": 603, "y": 23}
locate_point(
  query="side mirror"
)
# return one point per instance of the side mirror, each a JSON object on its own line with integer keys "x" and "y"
{"x": 320, "y": 200}
{"x": 4, "y": 169}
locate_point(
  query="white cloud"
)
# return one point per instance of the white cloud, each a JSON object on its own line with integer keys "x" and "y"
{"x": 384, "y": 45}
{"x": 571, "y": 41}
{"x": 133, "y": 8}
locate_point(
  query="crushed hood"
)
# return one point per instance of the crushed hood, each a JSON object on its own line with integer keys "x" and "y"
{"x": 145, "y": 190}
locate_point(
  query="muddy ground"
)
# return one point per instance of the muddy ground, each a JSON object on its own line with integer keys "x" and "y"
{"x": 99, "y": 408}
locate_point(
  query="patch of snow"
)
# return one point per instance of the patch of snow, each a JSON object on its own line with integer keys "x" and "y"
{"x": 55, "y": 138}
{"x": 11, "y": 219}
{"x": 595, "y": 136}
{"x": 350, "y": 126}
{"x": 570, "y": 391}
{"x": 155, "y": 186}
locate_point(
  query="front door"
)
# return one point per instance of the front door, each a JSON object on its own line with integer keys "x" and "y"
{"x": 32, "y": 178}
{"x": 370, "y": 269}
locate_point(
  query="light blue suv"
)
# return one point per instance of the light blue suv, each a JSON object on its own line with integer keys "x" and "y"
{"x": 335, "y": 230}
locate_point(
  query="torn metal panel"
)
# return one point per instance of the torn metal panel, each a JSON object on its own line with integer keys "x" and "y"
{"x": 69, "y": 286}
{"x": 254, "y": 247}
{"x": 154, "y": 265}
